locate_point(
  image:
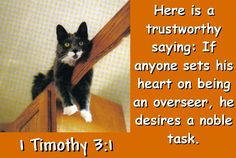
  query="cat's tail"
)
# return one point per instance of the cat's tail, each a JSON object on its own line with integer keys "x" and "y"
{"x": 40, "y": 82}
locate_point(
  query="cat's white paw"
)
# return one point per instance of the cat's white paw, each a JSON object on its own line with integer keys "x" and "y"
{"x": 70, "y": 110}
{"x": 86, "y": 115}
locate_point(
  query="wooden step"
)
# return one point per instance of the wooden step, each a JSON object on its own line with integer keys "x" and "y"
{"x": 107, "y": 117}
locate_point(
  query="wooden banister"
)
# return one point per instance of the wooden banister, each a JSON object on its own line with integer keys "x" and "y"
{"x": 109, "y": 36}
{"x": 44, "y": 106}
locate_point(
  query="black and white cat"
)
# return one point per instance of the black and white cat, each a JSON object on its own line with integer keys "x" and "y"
{"x": 71, "y": 49}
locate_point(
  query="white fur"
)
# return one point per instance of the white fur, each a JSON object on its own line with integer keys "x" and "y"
{"x": 70, "y": 110}
{"x": 69, "y": 58}
{"x": 88, "y": 104}
{"x": 86, "y": 115}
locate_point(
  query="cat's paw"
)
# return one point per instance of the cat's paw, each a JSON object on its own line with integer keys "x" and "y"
{"x": 86, "y": 115}
{"x": 70, "y": 110}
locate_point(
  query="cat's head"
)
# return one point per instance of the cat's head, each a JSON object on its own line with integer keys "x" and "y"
{"x": 72, "y": 48}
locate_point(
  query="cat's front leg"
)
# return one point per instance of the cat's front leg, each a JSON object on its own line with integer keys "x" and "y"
{"x": 86, "y": 114}
{"x": 81, "y": 93}
{"x": 85, "y": 110}
{"x": 84, "y": 101}
{"x": 70, "y": 110}
{"x": 69, "y": 107}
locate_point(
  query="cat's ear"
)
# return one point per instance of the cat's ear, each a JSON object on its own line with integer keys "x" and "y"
{"x": 61, "y": 33}
{"x": 82, "y": 31}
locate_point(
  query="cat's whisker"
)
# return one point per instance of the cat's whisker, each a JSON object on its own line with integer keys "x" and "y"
{"x": 62, "y": 57}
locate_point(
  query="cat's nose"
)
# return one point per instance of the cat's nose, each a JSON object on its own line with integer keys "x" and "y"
{"x": 75, "y": 56}
{"x": 75, "y": 50}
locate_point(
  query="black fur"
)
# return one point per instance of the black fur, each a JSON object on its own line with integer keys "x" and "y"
{"x": 62, "y": 71}
{"x": 40, "y": 82}
{"x": 82, "y": 89}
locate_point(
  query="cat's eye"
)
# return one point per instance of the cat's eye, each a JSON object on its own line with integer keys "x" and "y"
{"x": 67, "y": 44}
{"x": 81, "y": 43}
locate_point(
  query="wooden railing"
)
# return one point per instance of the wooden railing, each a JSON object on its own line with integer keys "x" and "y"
{"x": 43, "y": 115}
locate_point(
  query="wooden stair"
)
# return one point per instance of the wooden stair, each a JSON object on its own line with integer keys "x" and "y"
{"x": 107, "y": 117}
